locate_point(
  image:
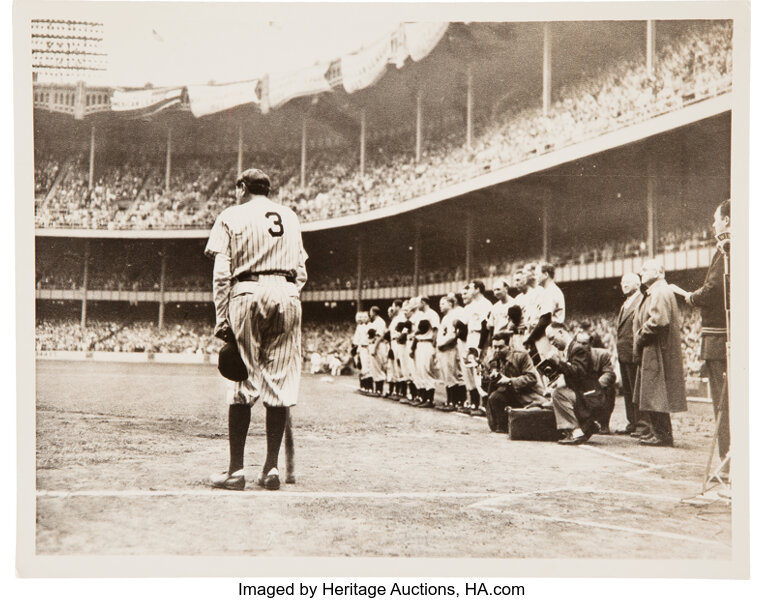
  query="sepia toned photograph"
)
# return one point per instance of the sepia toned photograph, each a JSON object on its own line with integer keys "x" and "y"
{"x": 382, "y": 282}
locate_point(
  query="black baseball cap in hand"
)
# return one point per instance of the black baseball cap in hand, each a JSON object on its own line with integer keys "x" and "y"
{"x": 230, "y": 364}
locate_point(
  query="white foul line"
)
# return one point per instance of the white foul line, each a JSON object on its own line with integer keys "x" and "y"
{"x": 254, "y": 492}
{"x": 633, "y": 461}
{"x": 663, "y": 534}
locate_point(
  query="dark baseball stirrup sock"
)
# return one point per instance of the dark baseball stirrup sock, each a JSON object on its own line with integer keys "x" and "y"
{"x": 238, "y": 424}
{"x": 475, "y": 398}
{"x": 450, "y": 395}
{"x": 460, "y": 395}
{"x": 412, "y": 389}
{"x": 275, "y": 422}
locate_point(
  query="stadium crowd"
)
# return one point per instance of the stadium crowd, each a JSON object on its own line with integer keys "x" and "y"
{"x": 695, "y": 65}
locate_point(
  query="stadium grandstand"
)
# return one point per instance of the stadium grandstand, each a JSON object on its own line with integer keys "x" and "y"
{"x": 438, "y": 154}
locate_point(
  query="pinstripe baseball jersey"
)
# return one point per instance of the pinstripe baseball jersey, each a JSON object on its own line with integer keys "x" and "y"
{"x": 497, "y": 318}
{"x": 259, "y": 235}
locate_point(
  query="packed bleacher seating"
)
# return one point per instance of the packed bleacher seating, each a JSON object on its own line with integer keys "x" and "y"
{"x": 692, "y": 66}
{"x": 325, "y": 338}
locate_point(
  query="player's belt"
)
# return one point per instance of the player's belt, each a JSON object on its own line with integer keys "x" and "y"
{"x": 290, "y": 276}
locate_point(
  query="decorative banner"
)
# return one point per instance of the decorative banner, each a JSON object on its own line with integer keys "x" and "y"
{"x": 283, "y": 87}
{"x": 364, "y": 67}
{"x": 421, "y": 38}
{"x": 210, "y": 99}
{"x": 145, "y": 102}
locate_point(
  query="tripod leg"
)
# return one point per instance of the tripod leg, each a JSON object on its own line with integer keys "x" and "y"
{"x": 707, "y": 477}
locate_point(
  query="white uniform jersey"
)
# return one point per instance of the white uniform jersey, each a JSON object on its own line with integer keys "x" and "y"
{"x": 259, "y": 236}
{"x": 520, "y": 300}
{"x": 361, "y": 335}
{"x": 378, "y": 326}
{"x": 536, "y": 304}
{"x": 432, "y": 317}
{"x": 446, "y": 330}
{"x": 555, "y": 300}
{"x": 497, "y": 318}
{"x": 393, "y": 326}
{"x": 478, "y": 312}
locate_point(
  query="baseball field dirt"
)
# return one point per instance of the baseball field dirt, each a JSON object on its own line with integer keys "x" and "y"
{"x": 123, "y": 451}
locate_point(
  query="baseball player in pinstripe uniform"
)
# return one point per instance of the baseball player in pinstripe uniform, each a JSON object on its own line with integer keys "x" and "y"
{"x": 425, "y": 324}
{"x": 258, "y": 274}
{"x": 478, "y": 311}
{"x": 448, "y": 356}
{"x": 378, "y": 348}
{"x": 399, "y": 328}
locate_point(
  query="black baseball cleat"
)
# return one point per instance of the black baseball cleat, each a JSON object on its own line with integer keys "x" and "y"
{"x": 228, "y": 481}
{"x": 290, "y": 478}
{"x": 270, "y": 481}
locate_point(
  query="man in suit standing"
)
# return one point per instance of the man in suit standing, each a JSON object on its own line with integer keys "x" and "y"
{"x": 659, "y": 387}
{"x": 625, "y": 347}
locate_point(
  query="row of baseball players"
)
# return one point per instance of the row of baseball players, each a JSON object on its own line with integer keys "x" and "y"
{"x": 418, "y": 347}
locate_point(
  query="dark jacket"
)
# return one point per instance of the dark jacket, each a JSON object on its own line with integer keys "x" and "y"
{"x": 625, "y": 329}
{"x": 603, "y": 366}
{"x": 523, "y": 380}
{"x": 579, "y": 370}
{"x": 710, "y": 299}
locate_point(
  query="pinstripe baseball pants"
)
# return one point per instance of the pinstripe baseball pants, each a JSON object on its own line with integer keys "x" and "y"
{"x": 265, "y": 317}
{"x": 467, "y": 374}
{"x": 424, "y": 360}
{"x": 450, "y": 369}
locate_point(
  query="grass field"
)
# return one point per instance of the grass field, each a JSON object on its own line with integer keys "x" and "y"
{"x": 123, "y": 451}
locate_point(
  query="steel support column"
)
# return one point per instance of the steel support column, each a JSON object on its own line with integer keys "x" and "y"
{"x": 359, "y": 275}
{"x": 650, "y": 48}
{"x": 84, "y": 313}
{"x": 162, "y": 274}
{"x": 651, "y": 212}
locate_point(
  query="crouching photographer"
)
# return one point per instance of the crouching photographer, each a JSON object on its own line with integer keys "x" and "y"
{"x": 513, "y": 382}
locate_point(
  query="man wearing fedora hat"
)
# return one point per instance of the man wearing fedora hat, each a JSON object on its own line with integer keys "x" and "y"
{"x": 258, "y": 274}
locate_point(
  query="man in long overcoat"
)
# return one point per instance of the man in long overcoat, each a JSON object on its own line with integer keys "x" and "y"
{"x": 659, "y": 387}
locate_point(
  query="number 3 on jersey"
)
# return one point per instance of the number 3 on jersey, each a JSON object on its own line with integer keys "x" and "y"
{"x": 278, "y": 225}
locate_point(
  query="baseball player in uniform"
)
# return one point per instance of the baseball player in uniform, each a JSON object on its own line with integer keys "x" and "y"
{"x": 398, "y": 381}
{"x": 461, "y": 317}
{"x": 425, "y": 325}
{"x": 258, "y": 274}
{"x": 554, "y": 299}
{"x": 377, "y": 349}
{"x": 448, "y": 355}
{"x": 478, "y": 311}
{"x": 409, "y": 368}
{"x": 361, "y": 342}
{"x": 498, "y": 319}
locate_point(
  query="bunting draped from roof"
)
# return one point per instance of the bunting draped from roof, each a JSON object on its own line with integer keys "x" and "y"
{"x": 209, "y": 99}
{"x": 357, "y": 70}
{"x": 280, "y": 88}
{"x": 145, "y": 102}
